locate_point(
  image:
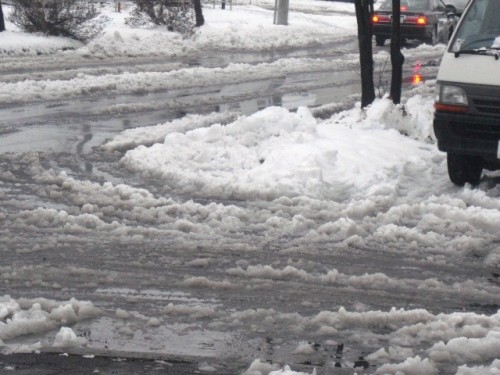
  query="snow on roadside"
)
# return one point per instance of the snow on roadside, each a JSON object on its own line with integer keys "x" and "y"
{"x": 134, "y": 137}
{"x": 469, "y": 337}
{"x": 245, "y": 27}
{"x": 276, "y": 153}
{"x": 17, "y": 43}
{"x": 372, "y": 179}
{"x": 129, "y": 83}
{"x": 494, "y": 369}
{"x": 371, "y": 170}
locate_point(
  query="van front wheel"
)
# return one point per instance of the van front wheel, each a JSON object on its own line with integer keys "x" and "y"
{"x": 464, "y": 169}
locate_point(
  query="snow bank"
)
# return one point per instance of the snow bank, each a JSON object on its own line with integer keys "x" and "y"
{"x": 276, "y": 153}
{"x": 66, "y": 338}
{"x": 17, "y": 43}
{"x": 451, "y": 339}
{"x": 245, "y": 27}
{"x": 129, "y": 83}
{"x": 414, "y": 366}
{"x": 24, "y": 317}
{"x": 494, "y": 369}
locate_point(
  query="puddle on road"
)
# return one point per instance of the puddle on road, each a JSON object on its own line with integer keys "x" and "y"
{"x": 149, "y": 330}
{"x": 123, "y": 338}
{"x": 78, "y": 125}
{"x": 58, "y": 126}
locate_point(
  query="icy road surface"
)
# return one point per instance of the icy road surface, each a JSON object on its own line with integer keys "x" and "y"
{"x": 169, "y": 205}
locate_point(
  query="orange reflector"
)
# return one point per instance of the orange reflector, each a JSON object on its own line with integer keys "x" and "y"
{"x": 450, "y": 108}
{"x": 416, "y": 79}
{"x": 422, "y": 20}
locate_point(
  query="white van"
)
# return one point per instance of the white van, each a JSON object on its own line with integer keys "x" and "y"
{"x": 467, "y": 117}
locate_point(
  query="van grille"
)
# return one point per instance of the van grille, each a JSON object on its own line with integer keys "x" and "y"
{"x": 477, "y": 131}
{"x": 487, "y": 106}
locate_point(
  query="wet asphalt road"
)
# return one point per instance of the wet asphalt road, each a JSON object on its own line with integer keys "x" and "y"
{"x": 58, "y": 364}
{"x": 64, "y": 134}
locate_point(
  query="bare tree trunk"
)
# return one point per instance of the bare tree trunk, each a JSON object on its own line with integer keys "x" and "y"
{"x": 200, "y": 21}
{"x": 364, "y": 10}
{"x": 2, "y": 21}
{"x": 397, "y": 58}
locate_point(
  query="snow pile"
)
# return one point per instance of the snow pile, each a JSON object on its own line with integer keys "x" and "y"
{"x": 156, "y": 134}
{"x": 366, "y": 281}
{"x": 244, "y": 27}
{"x": 374, "y": 176}
{"x": 469, "y": 349}
{"x": 24, "y": 317}
{"x": 277, "y": 153}
{"x": 418, "y": 342}
{"x": 494, "y": 369}
{"x": 66, "y": 338}
{"x": 288, "y": 371}
{"x": 414, "y": 366}
{"x": 129, "y": 83}
{"x": 17, "y": 43}
{"x": 257, "y": 367}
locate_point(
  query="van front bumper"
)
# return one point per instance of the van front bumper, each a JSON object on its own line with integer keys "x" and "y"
{"x": 468, "y": 134}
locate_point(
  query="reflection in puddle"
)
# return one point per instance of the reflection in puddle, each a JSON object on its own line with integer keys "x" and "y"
{"x": 130, "y": 337}
{"x": 172, "y": 331}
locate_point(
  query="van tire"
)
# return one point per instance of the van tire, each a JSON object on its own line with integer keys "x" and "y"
{"x": 464, "y": 169}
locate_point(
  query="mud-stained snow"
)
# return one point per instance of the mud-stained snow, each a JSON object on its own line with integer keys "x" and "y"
{"x": 295, "y": 244}
{"x": 30, "y": 317}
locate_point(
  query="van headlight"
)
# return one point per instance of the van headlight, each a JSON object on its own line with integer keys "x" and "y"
{"x": 451, "y": 98}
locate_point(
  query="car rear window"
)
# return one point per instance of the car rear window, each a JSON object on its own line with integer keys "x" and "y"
{"x": 407, "y": 6}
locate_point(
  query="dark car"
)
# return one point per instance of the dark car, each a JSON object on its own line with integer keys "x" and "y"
{"x": 430, "y": 21}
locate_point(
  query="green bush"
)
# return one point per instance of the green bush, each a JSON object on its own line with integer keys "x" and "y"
{"x": 77, "y": 19}
{"x": 176, "y": 15}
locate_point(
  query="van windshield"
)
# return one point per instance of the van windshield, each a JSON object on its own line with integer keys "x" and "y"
{"x": 480, "y": 27}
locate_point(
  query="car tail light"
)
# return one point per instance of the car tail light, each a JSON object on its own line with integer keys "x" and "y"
{"x": 375, "y": 19}
{"x": 422, "y": 20}
{"x": 403, "y": 8}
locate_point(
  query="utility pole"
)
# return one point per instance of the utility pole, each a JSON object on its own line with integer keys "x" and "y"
{"x": 200, "y": 20}
{"x": 2, "y": 21}
{"x": 364, "y": 12}
{"x": 397, "y": 58}
{"x": 281, "y": 12}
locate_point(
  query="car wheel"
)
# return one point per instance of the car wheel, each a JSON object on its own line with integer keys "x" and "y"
{"x": 379, "y": 40}
{"x": 433, "y": 38}
{"x": 464, "y": 169}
